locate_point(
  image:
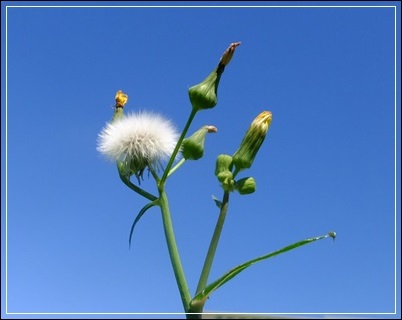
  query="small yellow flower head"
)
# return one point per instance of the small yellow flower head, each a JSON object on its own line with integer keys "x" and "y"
{"x": 193, "y": 147}
{"x": 205, "y": 94}
{"x": 121, "y": 99}
{"x": 252, "y": 141}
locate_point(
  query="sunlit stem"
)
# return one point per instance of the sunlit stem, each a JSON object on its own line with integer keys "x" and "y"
{"x": 213, "y": 245}
{"x": 178, "y": 145}
{"x": 177, "y": 166}
{"x": 173, "y": 251}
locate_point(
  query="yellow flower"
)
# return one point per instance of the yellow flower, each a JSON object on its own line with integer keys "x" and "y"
{"x": 121, "y": 99}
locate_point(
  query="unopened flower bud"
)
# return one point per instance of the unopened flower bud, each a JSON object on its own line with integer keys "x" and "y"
{"x": 223, "y": 171}
{"x": 224, "y": 175}
{"x": 205, "y": 94}
{"x": 246, "y": 185}
{"x": 223, "y": 164}
{"x": 252, "y": 141}
{"x": 229, "y": 184}
{"x": 193, "y": 147}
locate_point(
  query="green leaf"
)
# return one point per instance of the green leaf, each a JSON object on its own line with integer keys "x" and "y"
{"x": 139, "y": 215}
{"x": 202, "y": 296}
{"x": 217, "y": 202}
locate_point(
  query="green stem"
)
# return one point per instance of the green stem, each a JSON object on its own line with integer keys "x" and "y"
{"x": 213, "y": 245}
{"x": 236, "y": 172}
{"x": 178, "y": 145}
{"x": 177, "y": 166}
{"x": 133, "y": 187}
{"x": 173, "y": 252}
{"x": 154, "y": 174}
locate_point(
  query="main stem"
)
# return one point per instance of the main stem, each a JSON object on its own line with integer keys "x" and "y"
{"x": 213, "y": 245}
{"x": 173, "y": 251}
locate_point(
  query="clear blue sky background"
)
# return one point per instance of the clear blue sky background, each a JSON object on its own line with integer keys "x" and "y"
{"x": 326, "y": 74}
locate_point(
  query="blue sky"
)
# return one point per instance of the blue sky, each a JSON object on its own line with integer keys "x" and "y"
{"x": 328, "y": 162}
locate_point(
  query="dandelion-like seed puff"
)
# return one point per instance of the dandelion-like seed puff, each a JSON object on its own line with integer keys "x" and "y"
{"x": 138, "y": 140}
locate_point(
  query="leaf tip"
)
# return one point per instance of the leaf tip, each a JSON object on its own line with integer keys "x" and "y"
{"x": 332, "y": 234}
{"x": 217, "y": 202}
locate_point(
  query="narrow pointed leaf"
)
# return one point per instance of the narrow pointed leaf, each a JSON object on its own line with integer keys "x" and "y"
{"x": 139, "y": 216}
{"x": 217, "y": 202}
{"x": 202, "y": 296}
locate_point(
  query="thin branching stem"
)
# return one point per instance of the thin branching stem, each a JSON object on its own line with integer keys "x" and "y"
{"x": 178, "y": 145}
{"x": 213, "y": 245}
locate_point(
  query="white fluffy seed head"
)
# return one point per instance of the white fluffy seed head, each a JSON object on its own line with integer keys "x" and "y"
{"x": 143, "y": 137}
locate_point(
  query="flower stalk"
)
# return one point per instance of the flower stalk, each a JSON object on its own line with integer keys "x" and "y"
{"x": 177, "y": 148}
{"x": 173, "y": 251}
{"x": 206, "y": 269}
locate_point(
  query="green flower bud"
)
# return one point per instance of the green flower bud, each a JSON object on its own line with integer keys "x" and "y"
{"x": 246, "y": 185}
{"x": 223, "y": 171}
{"x": 228, "y": 183}
{"x": 223, "y": 164}
{"x": 204, "y": 94}
{"x": 193, "y": 147}
{"x": 224, "y": 175}
{"x": 252, "y": 141}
